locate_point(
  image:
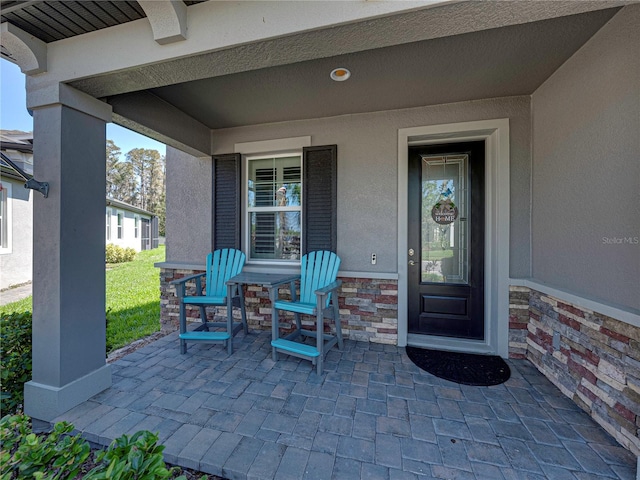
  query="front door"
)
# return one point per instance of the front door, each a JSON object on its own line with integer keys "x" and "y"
{"x": 446, "y": 240}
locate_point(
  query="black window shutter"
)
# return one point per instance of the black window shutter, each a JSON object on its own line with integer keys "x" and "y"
{"x": 320, "y": 193}
{"x": 226, "y": 197}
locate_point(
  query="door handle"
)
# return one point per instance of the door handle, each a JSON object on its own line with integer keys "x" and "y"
{"x": 412, "y": 262}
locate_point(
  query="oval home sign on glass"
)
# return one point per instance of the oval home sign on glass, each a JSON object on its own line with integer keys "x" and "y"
{"x": 444, "y": 212}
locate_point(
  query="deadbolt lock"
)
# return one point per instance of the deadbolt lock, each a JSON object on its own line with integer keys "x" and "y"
{"x": 411, "y": 252}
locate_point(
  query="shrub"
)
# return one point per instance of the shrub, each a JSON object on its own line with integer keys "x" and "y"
{"x": 60, "y": 456}
{"x": 116, "y": 254}
{"x": 27, "y": 455}
{"x": 15, "y": 359}
{"x": 132, "y": 457}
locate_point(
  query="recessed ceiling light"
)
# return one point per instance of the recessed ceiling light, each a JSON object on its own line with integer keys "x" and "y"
{"x": 340, "y": 74}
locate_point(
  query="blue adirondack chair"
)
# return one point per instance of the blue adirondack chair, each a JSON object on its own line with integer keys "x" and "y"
{"x": 221, "y": 266}
{"x": 318, "y": 297}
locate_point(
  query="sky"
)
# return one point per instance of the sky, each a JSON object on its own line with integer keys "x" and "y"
{"x": 14, "y": 114}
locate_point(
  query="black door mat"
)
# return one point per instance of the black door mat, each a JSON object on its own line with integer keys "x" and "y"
{"x": 464, "y": 368}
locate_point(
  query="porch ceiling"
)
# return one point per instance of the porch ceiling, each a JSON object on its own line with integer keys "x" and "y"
{"x": 499, "y": 62}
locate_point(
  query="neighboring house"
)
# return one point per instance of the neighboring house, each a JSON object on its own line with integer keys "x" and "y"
{"x": 126, "y": 225}
{"x": 130, "y": 227}
{"x": 524, "y": 115}
{"x": 16, "y": 210}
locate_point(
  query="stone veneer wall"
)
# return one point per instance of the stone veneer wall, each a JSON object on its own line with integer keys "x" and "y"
{"x": 518, "y": 321}
{"x": 592, "y": 358}
{"x": 368, "y": 308}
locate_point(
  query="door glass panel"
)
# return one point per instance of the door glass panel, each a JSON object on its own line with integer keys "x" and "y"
{"x": 445, "y": 219}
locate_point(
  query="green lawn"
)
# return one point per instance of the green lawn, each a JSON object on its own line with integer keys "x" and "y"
{"x": 133, "y": 299}
{"x": 24, "y": 305}
{"x": 436, "y": 254}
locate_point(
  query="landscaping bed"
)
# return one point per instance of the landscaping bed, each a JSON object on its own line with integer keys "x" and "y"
{"x": 133, "y": 312}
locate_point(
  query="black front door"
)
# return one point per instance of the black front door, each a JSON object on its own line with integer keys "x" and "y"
{"x": 446, "y": 240}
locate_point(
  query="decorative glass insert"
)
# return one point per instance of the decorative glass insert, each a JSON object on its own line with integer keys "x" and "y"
{"x": 445, "y": 239}
{"x": 274, "y": 205}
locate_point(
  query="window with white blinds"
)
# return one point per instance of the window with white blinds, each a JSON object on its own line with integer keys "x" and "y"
{"x": 274, "y": 207}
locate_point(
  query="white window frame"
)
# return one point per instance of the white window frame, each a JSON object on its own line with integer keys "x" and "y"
{"x": 249, "y": 210}
{"x": 6, "y": 218}
{"x": 108, "y": 227}
{"x": 267, "y": 148}
{"x": 120, "y": 224}
{"x": 136, "y": 226}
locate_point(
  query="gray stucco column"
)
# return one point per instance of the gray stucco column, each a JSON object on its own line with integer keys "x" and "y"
{"x": 68, "y": 253}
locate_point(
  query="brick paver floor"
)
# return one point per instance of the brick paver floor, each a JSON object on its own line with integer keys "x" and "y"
{"x": 372, "y": 415}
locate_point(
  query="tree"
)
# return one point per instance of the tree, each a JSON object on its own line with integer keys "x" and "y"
{"x": 121, "y": 183}
{"x": 156, "y": 191}
{"x": 113, "y": 158}
{"x": 138, "y": 180}
{"x": 161, "y": 212}
{"x": 148, "y": 168}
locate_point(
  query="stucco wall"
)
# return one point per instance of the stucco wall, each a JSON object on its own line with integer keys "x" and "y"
{"x": 367, "y": 179}
{"x": 16, "y": 266}
{"x": 188, "y": 220}
{"x": 586, "y": 203}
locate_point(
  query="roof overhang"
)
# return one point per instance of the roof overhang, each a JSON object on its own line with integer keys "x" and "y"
{"x": 245, "y": 63}
{"x": 112, "y": 202}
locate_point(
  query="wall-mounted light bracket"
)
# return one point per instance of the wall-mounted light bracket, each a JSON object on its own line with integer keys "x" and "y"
{"x": 42, "y": 187}
{"x": 30, "y": 182}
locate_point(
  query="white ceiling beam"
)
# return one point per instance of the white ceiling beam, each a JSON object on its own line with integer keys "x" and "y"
{"x": 168, "y": 19}
{"x": 29, "y": 53}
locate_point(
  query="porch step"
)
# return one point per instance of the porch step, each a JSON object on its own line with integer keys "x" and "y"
{"x": 295, "y": 347}
{"x": 205, "y": 336}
